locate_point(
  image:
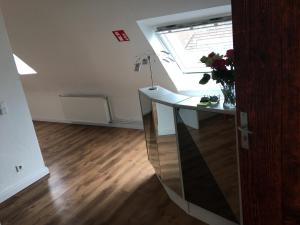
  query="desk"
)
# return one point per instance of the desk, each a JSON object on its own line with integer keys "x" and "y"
{"x": 193, "y": 152}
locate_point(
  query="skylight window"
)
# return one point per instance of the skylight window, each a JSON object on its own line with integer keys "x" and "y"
{"x": 189, "y": 42}
{"x": 22, "y": 67}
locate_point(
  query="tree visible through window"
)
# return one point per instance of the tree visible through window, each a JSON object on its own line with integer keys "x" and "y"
{"x": 188, "y": 44}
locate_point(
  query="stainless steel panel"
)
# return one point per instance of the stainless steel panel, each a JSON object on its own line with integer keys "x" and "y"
{"x": 163, "y": 95}
{"x": 192, "y": 103}
{"x": 150, "y": 133}
{"x": 167, "y": 147}
{"x": 209, "y": 162}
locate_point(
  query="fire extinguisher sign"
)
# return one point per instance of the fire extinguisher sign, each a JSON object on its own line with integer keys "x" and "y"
{"x": 121, "y": 35}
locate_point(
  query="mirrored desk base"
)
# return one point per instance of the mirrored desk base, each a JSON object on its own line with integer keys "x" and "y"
{"x": 196, "y": 211}
{"x": 193, "y": 152}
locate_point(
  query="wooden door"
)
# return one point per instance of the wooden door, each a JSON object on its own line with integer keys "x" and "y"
{"x": 267, "y": 47}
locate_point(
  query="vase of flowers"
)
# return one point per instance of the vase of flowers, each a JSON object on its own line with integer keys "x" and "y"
{"x": 223, "y": 73}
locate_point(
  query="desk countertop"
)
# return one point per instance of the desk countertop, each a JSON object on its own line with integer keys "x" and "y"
{"x": 164, "y": 96}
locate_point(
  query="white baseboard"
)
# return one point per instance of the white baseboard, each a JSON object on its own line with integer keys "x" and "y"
{"x": 207, "y": 216}
{"x": 178, "y": 200}
{"x": 22, "y": 184}
{"x": 166, "y": 131}
{"x": 124, "y": 124}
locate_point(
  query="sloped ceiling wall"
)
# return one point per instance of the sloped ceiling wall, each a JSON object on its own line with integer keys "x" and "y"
{"x": 71, "y": 46}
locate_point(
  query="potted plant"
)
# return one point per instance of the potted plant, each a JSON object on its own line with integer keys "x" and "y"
{"x": 223, "y": 73}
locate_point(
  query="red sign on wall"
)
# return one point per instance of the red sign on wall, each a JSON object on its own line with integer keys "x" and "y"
{"x": 121, "y": 35}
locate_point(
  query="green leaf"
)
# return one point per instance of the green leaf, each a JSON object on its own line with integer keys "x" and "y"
{"x": 205, "y": 79}
{"x": 203, "y": 59}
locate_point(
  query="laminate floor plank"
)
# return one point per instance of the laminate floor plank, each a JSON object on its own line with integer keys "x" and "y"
{"x": 98, "y": 176}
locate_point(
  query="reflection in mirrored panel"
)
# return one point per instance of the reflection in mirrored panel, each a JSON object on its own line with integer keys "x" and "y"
{"x": 150, "y": 133}
{"x": 207, "y": 145}
{"x": 167, "y": 147}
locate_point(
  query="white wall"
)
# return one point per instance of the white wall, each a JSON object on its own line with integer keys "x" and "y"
{"x": 18, "y": 142}
{"x": 70, "y": 44}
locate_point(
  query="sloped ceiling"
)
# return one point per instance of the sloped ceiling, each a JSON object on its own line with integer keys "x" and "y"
{"x": 71, "y": 46}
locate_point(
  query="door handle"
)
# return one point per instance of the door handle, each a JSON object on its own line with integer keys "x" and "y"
{"x": 244, "y": 130}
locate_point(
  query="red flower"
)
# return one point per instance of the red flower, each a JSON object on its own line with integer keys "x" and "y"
{"x": 230, "y": 53}
{"x": 219, "y": 64}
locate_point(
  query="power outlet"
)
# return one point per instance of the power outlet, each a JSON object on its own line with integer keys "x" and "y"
{"x": 18, "y": 170}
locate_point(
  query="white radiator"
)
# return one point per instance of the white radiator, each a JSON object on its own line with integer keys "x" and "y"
{"x": 88, "y": 109}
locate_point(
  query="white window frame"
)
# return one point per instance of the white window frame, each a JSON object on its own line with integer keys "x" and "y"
{"x": 160, "y": 31}
{"x": 182, "y": 83}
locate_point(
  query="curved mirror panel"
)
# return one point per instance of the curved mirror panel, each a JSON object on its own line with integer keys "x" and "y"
{"x": 167, "y": 148}
{"x": 207, "y": 145}
{"x": 150, "y": 133}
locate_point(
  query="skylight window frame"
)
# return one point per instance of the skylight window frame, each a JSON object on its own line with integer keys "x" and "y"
{"x": 160, "y": 31}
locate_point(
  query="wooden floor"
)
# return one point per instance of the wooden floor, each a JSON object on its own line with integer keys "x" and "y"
{"x": 99, "y": 176}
